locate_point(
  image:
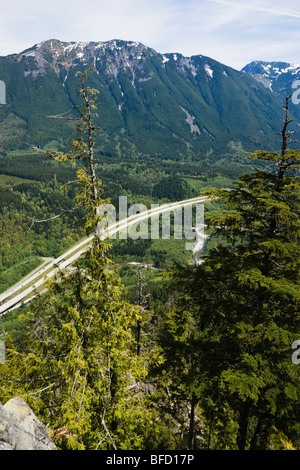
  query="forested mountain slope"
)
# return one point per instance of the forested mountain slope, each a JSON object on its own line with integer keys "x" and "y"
{"x": 150, "y": 104}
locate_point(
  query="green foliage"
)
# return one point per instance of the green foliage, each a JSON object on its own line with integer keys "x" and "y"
{"x": 23, "y": 243}
{"x": 171, "y": 188}
{"x": 18, "y": 271}
{"x": 30, "y": 187}
{"x": 79, "y": 369}
{"x": 215, "y": 369}
{"x": 238, "y": 312}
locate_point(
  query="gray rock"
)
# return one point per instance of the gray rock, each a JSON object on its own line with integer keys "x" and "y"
{"x": 20, "y": 429}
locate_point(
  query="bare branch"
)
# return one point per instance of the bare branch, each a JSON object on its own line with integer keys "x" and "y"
{"x": 63, "y": 212}
{"x": 60, "y": 116}
{"x": 38, "y": 391}
{"x": 34, "y": 147}
{"x": 69, "y": 183}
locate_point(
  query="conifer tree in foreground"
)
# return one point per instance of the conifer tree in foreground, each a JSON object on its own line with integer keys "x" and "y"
{"x": 79, "y": 369}
{"x": 239, "y": 311}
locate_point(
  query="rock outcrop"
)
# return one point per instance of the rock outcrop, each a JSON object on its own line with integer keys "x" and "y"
{"x": 21, "y": 430}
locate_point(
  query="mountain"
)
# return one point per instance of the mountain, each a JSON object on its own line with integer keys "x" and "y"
{"x": 280, "y": 78}
{"x": 150, "y": 104}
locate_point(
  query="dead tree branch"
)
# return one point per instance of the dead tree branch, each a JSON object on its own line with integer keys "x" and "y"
{"x": 63, "y": 212}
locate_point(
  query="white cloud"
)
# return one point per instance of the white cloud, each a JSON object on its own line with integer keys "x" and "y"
{"x": 231, "y": 31}
{"x": 273, "y": 9}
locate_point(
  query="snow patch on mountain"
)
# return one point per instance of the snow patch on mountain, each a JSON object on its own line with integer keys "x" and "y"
{"x": 278, "y": 77}
{"x": 208, "y": 70}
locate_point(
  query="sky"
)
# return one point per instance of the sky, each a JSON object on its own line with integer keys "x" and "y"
{"x": 234, "y": 32}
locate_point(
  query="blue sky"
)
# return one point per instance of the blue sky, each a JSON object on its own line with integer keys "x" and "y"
{"x": 230, "y": 31}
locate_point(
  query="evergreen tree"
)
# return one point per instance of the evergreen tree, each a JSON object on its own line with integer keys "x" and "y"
{"x": 244, "y": 304}
{"x": 80, "y": 371}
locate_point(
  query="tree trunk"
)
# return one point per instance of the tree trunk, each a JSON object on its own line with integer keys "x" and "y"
{"x": 243, "y": 426}
{"x": 191, "y": 445}
{"x": 253, "y": 444}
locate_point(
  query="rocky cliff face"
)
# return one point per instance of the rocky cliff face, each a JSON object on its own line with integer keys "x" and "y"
{"x": 114, "y": 55}
{"x": 20, "y": 429}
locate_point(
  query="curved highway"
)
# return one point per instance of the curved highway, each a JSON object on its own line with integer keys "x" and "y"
{"x": 24, "y": 290}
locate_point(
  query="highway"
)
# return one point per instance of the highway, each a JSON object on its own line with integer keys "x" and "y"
{"x": 25, "y": 289}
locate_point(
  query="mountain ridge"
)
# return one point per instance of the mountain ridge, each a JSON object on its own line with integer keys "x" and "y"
{"x": 165, "y": 105}
{"x": 279, "y": 77}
